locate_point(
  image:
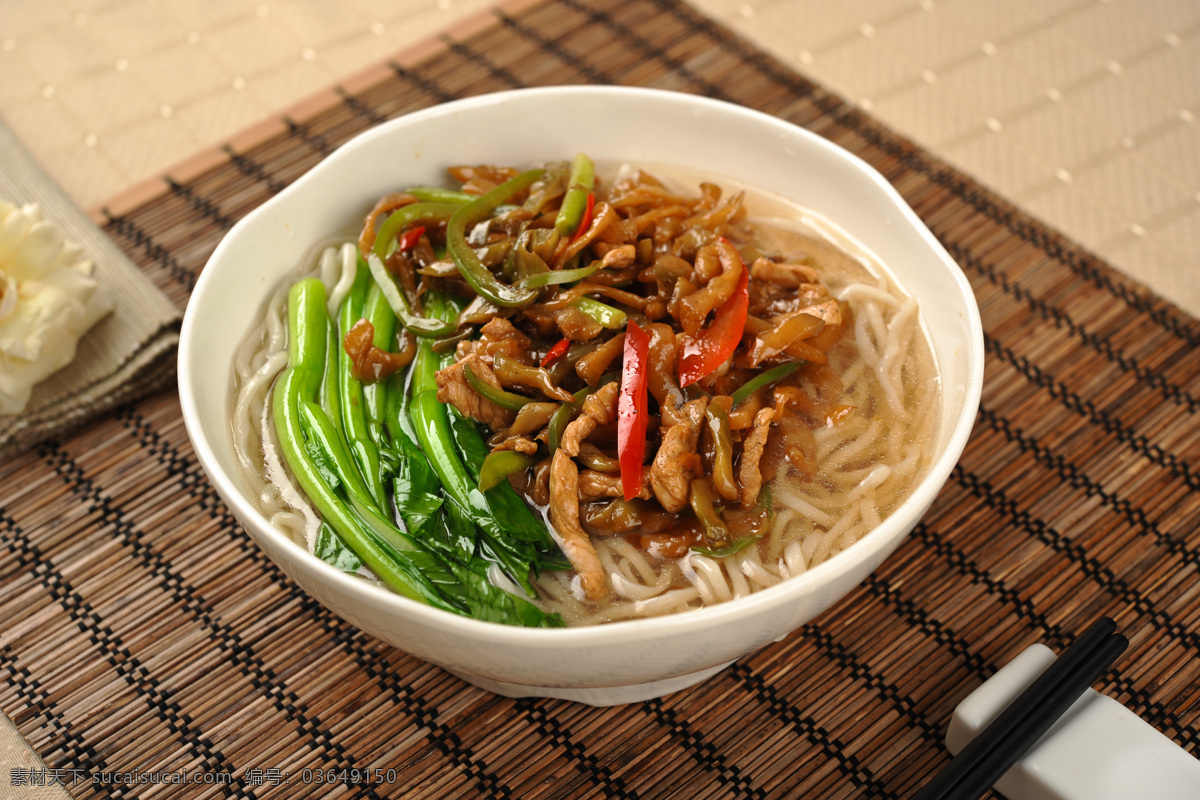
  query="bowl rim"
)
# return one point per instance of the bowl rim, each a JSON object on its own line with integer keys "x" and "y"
{"x": 391, "y": 603}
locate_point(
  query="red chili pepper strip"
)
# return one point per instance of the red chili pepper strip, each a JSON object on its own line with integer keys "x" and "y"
{"x": 556, "y": 352}
{"x": 713, "y": 346}
{"x": 631, "y": 410}
{"x": 409, "y": 239}
{"x": 586, "y": 221}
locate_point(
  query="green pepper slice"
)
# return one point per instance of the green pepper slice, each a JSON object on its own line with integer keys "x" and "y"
{"x": 404, "y": 216}
{"x": 499, "y": 464}
{"x": 602, "y": 313}
{"x": 505, "y": 399}
{"x": 703, "y": 501}
{"x": 557, "y": 276}
{"x": 743, "y": 392}
{"x": 424, "y": 327}
{"x": 437, "y": 194}
{"x": 722, "y": 439}
{"x": 579, "y": 185}
{"x": 469, "y": 266}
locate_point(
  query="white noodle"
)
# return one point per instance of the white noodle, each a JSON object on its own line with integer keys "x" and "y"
{"x": 825, "y": 544}
{"x": 633, "y": 560}
{"x": 671, "y": 601}
{"x": 737, "y": 579}
{"x": 709, "y": 571}
{"x": 631, "y": 590}
{"x": 853, "y": 448}
{"x": 793, "y": 558}
{"x": 756, "y": 571}
{"x": 497, "y": 578}
{"x": 347, "y": 259}
{"x": 251, "y": 400}
{"x": 705, "y": 591}
{"x": 801, "y": 507}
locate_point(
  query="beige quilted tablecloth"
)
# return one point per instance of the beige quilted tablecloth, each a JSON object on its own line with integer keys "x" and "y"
{"x": 1083, "y": 112}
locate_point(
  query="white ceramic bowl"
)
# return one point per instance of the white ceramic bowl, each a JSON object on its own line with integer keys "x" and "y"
{"x": 630, "y": 660}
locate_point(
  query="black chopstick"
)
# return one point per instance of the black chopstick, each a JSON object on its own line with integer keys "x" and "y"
{"x": 1018, "y": 727}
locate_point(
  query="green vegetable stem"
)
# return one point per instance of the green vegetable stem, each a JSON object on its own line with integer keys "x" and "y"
{"x": 509, "y": 532}
{"x": 581, "y": 182}
{"x": 363, "y": 447}
{"x": 435, "y": 558}
{"x": 297, "y": 385}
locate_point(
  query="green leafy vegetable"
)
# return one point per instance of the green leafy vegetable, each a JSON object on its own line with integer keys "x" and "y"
{"x": 332, "y": 550}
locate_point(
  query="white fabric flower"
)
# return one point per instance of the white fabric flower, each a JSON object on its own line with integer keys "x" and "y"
{"x": 48, "y": 300}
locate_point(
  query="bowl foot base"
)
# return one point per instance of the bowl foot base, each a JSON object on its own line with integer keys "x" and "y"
{"x": 596, "y": 695}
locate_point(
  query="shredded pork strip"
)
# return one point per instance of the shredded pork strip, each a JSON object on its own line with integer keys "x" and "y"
{"x": 519, "y": 444}
{"x": 783, "y": 274}
{"x": 599, "y": 408}
{"x": 749, "y": 475}
{"x": 595, "y": 485}
{"x": 564, "y": 516}
{"x": 676, "y": 462}
{"x": 454, "y": 389}
{"x": 498, "y": 335}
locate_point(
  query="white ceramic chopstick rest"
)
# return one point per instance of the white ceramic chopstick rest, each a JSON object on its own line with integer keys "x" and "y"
{"x": 1098, "y": 749}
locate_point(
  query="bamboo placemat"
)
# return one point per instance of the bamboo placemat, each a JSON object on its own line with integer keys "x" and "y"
{"x": 142, "y": 630}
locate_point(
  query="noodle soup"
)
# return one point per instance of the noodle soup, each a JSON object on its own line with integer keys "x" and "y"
{"x": 781, "y": 453}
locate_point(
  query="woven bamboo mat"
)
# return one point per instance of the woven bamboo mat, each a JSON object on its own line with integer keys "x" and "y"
{"x": 141, "y": 630}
